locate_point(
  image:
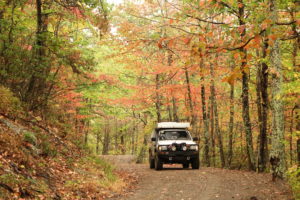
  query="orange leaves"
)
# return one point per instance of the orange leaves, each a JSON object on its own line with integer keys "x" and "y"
{"x": 75, "y": 55}
{"x": 242, "y": 28}
{"x": 265, "y": 24}
{"x": 187, "y": 40}
{"x": 171, "y": 43}
{"x": 202, "y": 3}
{"x": 166, "y": 42}
{"x": 241, "y": 5}
{"x": 107, "y": 78}
{"x": 160, "y": 43}
{"x": 272, "y": 37}
{"x": 78, "y": 13}
{"x": 257, "y": 39}
{"x": 27, "y": 47}
{"x": 236, "y": 55}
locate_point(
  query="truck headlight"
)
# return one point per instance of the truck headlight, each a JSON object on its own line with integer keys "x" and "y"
{"x": 162, "y": 148}
{"x": 194, "y": 147}
{"x": 184, "y": 148}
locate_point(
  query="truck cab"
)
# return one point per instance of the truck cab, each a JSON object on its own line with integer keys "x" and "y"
{"x": 171, "y": 142}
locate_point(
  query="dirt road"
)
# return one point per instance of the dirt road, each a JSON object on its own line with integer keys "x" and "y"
{"x": 175, "y": 183}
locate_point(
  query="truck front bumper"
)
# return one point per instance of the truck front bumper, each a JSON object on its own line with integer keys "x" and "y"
{"x": 177, "y": 156}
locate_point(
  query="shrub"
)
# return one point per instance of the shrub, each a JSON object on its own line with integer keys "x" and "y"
{"x": 30, "y": 138}
{"x": 9, "y": 104}
{"x": 47, "y": 148}
{"x": 105, "y": 166}
{"x": 294, "y": 180}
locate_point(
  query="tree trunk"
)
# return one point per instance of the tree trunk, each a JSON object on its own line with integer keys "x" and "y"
{"x": 174, "y": 105}
{"x": 298, "y": 152}
{"x": 190, "y": 100}
{"x": 157, "y": 103}
{"x": 259, "y": 116}
{"x": 169, "y": 110}
{"x": 86, "y": 131}
{"x": 262, "y": 105}
{"x": 173, "y": 116}
{"x": 245, "y": 90}
{"x": 231, "y": 123}
{"x": 297, "y": 69}
{"x": 133, "y": 139}
{"x": 297, "y": 120}
{"x": 123, "y": 147}
{"x": 97, "y": 142}
{"x": 216, "y": 117}
{"x": 116, "y": 135}
{"x": 277, "y": 155}
{"x": 210, "y": 115}
{"x": 106, "y": 139}
{"x": 291, "y": 137}
{"x": 37, "y": 83}
{"x": 205, "y": 118}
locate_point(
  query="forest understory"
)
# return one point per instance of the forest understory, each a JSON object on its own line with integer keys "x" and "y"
{"x": 37, "y": 163}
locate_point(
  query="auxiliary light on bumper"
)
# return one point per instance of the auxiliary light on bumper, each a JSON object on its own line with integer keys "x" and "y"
{"x": 163, "y": 148}
{"x": 194, "y": 147}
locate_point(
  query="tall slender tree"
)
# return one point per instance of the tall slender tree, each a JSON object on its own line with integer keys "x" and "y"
{"x": 277, "y": 153}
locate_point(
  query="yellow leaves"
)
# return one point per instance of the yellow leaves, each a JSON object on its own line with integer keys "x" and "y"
{"x": 246, "y": 69}
{"x": 38, "y": 118}
{"x": 235, "y": 74}
{"x": 195, "y": 50}
{"x": 229, "y": 79}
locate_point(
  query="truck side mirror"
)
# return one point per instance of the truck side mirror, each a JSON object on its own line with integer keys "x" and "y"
{"x": 195, "y": 138}
{"x": 153, "y": 139}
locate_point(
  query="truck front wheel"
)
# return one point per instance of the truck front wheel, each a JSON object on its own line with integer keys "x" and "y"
{"x": 151, "y": 162}
{"x": 158, "y": 163}
{"x": 195, "y": 163}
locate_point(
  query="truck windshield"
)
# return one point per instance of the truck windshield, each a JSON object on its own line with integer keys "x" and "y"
{"x": 174, "y": 135}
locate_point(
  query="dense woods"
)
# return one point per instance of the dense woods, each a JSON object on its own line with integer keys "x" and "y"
{"x": 103, "y": 74}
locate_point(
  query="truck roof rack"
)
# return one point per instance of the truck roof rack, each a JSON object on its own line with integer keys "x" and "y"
{"x": 173, "y": 125}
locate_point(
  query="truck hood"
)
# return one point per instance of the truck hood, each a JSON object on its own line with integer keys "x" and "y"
{"x": 169, "y": 142}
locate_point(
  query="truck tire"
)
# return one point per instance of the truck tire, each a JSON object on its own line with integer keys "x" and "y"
{"x": 158, "y": 164}
{"x": 151, "y": 163}
{"x": 195, "y": 163}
